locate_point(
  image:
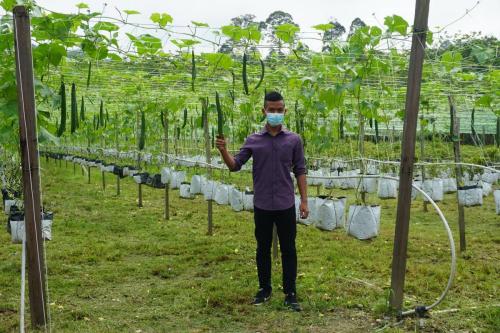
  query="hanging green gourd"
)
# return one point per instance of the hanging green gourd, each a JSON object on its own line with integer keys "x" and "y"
{"x": 74, "y": 109}
{"x": 341, "y": 125}
{"x": 193, "y": 70}
{"x": 370, "y": 121}
{"x": 244, "y": 74}
{"x": 62, "y": 123}
{"x": 472, "y": 127}
{"x": 82, "y": 110}
{"x": 162, "y": 119}
{"x": 262, "y": 72}
{"x": 184, "y": 118}
{"x": 88, "y": 74}
{"x": 297, "y": 121}
{"x": 96, "y": 123}
{"x": 498, "y": 132}
{"x": 376, "y": 131}
{"x": 213, "y": 138}
{"x": 106, "y": 120}
{"x": 142, "y": 134}
{"x": 220, "y": 116}
{"x": 177, "y": 133}
{"x": 101, "y": 114}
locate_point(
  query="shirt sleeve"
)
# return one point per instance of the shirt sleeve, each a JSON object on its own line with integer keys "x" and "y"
{"x": 243, "y": 155}
{"x": 299, "y": 164}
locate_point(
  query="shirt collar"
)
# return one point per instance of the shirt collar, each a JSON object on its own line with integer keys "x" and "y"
{"x": 264, "y": 129}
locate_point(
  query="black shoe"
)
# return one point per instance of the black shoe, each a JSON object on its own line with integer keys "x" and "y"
{"x": 292, "y": 303}
{"x": 262, "y": 296}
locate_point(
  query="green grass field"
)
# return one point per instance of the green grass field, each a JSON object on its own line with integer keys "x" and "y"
{"x": 114, "y": 267}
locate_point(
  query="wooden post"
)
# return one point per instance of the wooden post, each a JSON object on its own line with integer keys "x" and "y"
{"x": 408, "y": 153}
{"x": 74, "y": 168}
{"x": 422, "y": 159}
{"x": 458, "y": 172}
{"x": 167, "y": 190}
{"x": 88, "y": 174}
{"x": 208, "y": 155}
{"x": 30, "y": 167}
{"x": 103, "y": 181}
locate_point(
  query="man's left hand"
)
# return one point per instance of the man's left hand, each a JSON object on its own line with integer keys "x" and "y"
{"x": 304, "y": 210}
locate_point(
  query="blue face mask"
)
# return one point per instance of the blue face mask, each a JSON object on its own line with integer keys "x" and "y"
{"x": 275, "y": 119}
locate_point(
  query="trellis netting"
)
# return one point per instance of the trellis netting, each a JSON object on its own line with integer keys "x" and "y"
{"x": 363, "y": 222}
{"x": 434, "y": 189}
{"x": 496, "y": 195}
{"x": 184, "y": 191}
{"x": 387, "y": 188}
{"x": 471, "y": 195}
{"x": 236, "y": 199}
{"x": 331, "y": 214}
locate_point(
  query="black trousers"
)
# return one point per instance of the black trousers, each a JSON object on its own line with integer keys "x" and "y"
{"x": 286, "y": 226}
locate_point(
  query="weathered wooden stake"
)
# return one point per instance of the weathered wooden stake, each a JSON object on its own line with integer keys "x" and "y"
{"x": 140, "y": 194}
{"x": 208, "y": 155}
{"x": 30, "y": 167}
{"x": 103, "y": 181}
{"x": 458, "y": 173}
{"x": 117, "y": 184}
{"x": 167, "y": 189}
{"x": 408, "y": 154}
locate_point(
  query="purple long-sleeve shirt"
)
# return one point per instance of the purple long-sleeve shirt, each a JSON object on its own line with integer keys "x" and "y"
{"x": 274, "y": 157}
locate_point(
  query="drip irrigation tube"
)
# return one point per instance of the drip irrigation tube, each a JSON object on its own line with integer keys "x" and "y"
{"x": 448, "y": 232}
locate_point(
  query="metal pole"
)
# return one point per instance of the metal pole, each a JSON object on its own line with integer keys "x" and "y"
{"x": 209, "y": 161}
{"x": 408, "y": 153}
{"x": 30, "y": 167}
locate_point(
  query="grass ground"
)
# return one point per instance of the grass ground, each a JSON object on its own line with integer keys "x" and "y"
{"x": 113, "y": 267}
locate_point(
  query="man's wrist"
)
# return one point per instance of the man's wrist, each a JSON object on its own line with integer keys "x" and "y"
{"x": 303, "y": 199}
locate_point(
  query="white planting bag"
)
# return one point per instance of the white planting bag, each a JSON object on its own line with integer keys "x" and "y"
{"x": 433, "y": 188}
{"x": 195, "y": 187}
{"x": 414, "y": 192}
{"x": 176, "y": 179}
{"x": 47, "y": 227}
{"x": 363, "y": 222}
{"x": 248, "y": 200}
{"x": 222, "y": 194}
{"x": 184, "y": 191}
{"x": 236, "y": 200}
{"x": 496, "y": 195}
{"x": 331, "y": 214}
{"x": 470, "y": 196}
{"x": 347, "y": 183}
{"x": 312, "y": 204}
{"x": 490, "y": 177}
{"x": 209, "y": 190}
{"x": 7, "y": 204}
{"x": 368, "y": 185}
{"x": 449, "y": 185}
{"x": 486, "y": 188}
{"x": 17, "y": 232}
{"x": 165, "y": 175}
{"x": 387, "y": 188}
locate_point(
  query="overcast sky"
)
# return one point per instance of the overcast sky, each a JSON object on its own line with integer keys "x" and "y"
{"x": 305, "y": 12}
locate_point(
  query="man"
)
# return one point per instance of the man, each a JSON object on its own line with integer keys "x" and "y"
{"x": 275, "y": 151}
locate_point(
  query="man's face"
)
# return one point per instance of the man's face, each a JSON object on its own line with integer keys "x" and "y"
{"x": 274, "y": 107}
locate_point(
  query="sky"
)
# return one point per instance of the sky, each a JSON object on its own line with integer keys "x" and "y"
{"x": 306, "y": 13}
{"x": 450, "y": 14}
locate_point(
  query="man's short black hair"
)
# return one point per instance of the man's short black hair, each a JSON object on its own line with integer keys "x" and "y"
{"x": 272, "y": 96}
